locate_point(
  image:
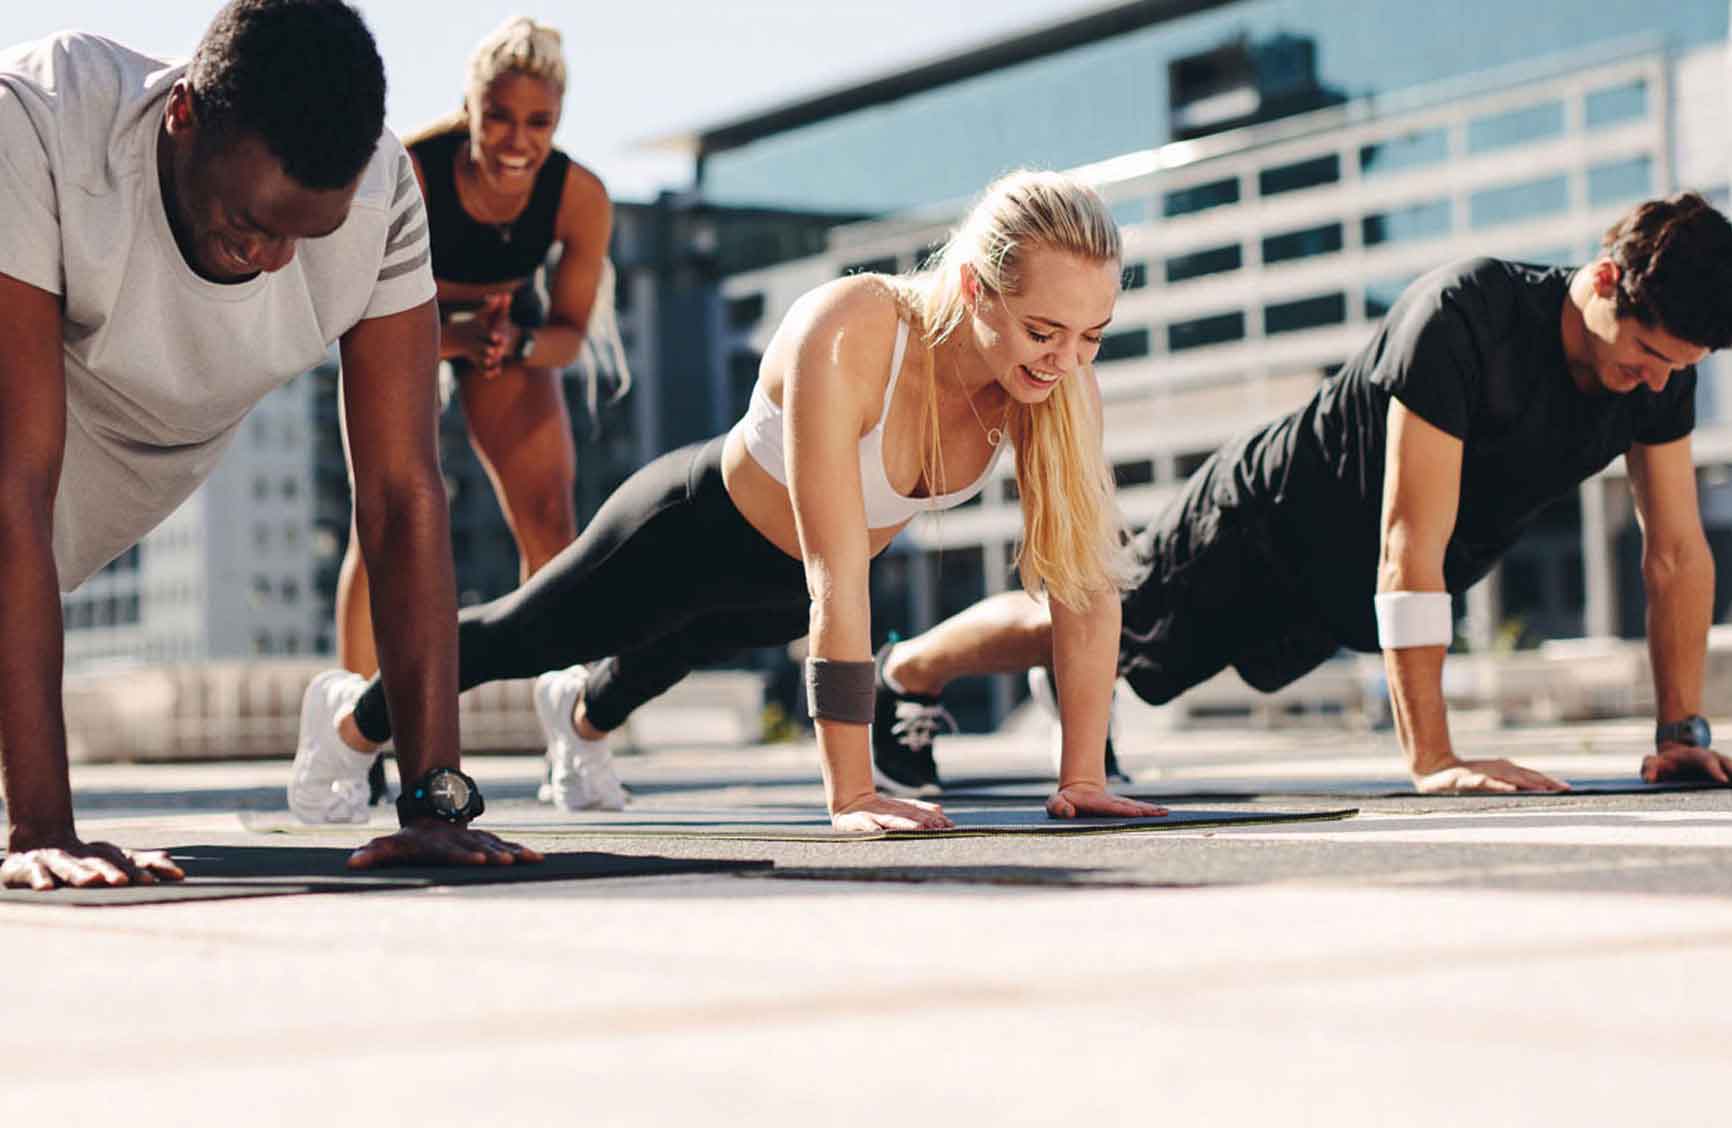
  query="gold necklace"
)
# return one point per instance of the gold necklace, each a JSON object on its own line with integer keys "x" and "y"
{"x": 994, "y": 435}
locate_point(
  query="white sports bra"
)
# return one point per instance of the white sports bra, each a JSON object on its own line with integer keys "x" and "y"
{"x": 761, "y": 428}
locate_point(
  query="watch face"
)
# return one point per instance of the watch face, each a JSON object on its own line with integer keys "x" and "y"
{"x": 1700, "y": 735}
{"x": 448, "y": 792}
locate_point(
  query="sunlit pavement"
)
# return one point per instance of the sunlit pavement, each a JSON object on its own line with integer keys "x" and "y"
{"x": 1431, "y": 961}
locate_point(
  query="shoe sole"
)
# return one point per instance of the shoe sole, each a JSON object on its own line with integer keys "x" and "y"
{"x": 308, "y": 703}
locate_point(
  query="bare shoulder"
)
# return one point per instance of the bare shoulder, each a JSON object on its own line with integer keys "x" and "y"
{"x": 583, "y": 193}
{"x": 851, "y": 320}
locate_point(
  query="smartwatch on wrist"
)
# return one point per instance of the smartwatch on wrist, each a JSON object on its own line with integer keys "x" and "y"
{"x": 525, "y": 345}
{"x": 1692, "y": 730}
{"x": 443, "y": 793}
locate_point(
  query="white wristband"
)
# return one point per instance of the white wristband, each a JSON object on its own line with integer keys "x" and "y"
{"x": 1414, "y": 618}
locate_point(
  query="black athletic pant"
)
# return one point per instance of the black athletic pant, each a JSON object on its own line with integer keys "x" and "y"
{"x": 667, "y": 577}
{"x": 1216, "y": 592}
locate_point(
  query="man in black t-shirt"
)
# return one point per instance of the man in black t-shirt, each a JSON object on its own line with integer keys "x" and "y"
{"x": 1490, "y": 389}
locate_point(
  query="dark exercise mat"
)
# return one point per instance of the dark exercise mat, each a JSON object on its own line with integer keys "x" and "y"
{"x": 216, "y": 873}
{"x": 741, "y": 825}
{"x": 1386, "y": 788}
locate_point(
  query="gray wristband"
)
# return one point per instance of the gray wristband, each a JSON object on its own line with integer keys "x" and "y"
{"x": 841, "y": 691}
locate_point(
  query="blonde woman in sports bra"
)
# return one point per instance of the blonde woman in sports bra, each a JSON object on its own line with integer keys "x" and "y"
{"x": 879, "y": 398}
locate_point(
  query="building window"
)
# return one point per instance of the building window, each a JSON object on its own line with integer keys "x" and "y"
{"x": 745, "y": 311}
{"x": 1215, "y": 194}
{"x": 1381, "y": 295}
{"x": 1419, "y": 221}
{"x": 261, "y": 593}
{"x": 1138, "y": 473}
{"x": 1197, "y": 264}
{"x": 261, "y": 642}
{"x": 261, "y": 489}
{"x": 885, "y": 265}
{"x": 1617, "y": 103}
{"x": 1135, "y": 276}
{"x": 1398, "y": 154}
{"x": 1125, "y": 345}
{"x": 1515, "y": 127}
{"x": 291, "y": 591}
{"x": 1301, "y": 174}
{"x": 1213, "y": 330}
{"x": 1302, "y": 244}
{"x": 290, "y": 489}
{"x": 1621, "y": 180}
{"x": 1306, "y": 313}
{"x": 1129, "y": 213}
{"x": 261, "y": 537}
{"x": 1510, "y": 203}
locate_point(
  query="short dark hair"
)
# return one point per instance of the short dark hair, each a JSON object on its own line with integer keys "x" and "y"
{"x": 1675, "y": 256}
{"x": 304, "y": 76}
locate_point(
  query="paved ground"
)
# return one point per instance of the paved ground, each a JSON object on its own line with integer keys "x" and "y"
{"x": 1432, "y": 961}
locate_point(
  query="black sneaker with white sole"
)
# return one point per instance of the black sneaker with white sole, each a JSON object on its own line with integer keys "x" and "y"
{"x": 904, "y": 725}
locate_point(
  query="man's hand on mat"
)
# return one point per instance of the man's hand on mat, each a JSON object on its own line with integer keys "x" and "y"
{"x": 86, "y": 864}
{"x": 879, "y": 812}
{"x": 1090, "y": 800}
{"x": 435, "y": 843}
{"x": 1486, "y": 776}
{"x": 1683, "y": 761}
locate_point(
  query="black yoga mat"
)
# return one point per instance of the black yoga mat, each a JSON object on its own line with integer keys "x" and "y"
{"x": 745, "y": 825}
{"x": 215, "y": 873}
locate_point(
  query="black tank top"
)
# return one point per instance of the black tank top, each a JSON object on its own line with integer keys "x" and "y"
{"x": 466, "y": 250}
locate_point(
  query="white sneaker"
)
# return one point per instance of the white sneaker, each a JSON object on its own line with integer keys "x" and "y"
{"x": 328, "y": 783}
{"x": 1040, "y": 687}
{"x": 580, "y": 775}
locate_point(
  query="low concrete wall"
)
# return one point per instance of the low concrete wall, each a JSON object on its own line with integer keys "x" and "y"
{"x": 251, "y": 710}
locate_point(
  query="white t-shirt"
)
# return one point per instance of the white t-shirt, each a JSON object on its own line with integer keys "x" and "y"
{"x": 161, "y": 364}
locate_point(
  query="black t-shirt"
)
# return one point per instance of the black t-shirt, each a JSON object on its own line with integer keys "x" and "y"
{"x": 1476, "y": 349}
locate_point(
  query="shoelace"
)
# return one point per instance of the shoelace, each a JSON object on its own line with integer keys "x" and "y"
{"x": 917, "y": 724}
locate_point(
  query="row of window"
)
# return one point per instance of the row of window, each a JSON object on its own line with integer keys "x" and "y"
{"x": 286, "y": 591}
{"x": 287, "y": 642}
{"x": 289, "y": 487}
{"x": 85, "y": 614}
{"x": 1607, "y": 184}
{"x": 1503, "y": 130}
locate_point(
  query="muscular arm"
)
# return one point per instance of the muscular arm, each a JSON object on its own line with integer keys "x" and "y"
{"x": 32, "y": 439}
{"x": 842, "y": 341}
{"x": 584, "y": 226}
{"x": 1678, "y": 573}
{"x": 389, "y": 404}
{"x": 1421, "y": 492}
{"x": 43, "y": 849}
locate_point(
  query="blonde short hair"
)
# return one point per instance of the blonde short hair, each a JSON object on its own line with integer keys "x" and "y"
{"x": 518, "y": 46}
{"x": 1073, "y": 537}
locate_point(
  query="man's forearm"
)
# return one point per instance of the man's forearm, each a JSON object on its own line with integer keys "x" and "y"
{"x": 408, "y": 554}
{"x": 1416, "y": 698}
{"x": 32, "y": 721}
{"x": 1680, "y": 608}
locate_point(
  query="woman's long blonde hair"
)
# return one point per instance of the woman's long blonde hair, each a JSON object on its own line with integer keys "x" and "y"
{"x": 1072, "y": 534}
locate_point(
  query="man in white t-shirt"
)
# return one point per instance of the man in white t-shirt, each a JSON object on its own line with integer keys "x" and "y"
{"x": 179, "y": 241}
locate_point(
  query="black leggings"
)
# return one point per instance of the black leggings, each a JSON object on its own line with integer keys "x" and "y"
{"x": 667, "y": 577}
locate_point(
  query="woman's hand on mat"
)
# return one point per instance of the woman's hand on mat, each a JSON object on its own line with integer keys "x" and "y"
{"x": 1684, "y": 761}
{"x": 435, "y": 843}
{"x": 879, "y": 812}
{"x": 1488, "y": 776}
{"x": 86, "y": 864}
{"x": 1091, "y": 800}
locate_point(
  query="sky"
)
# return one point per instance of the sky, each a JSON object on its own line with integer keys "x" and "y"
{"x": 637, "y": 70}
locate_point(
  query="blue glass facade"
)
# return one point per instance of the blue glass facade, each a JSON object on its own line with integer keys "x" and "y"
{"x": 1111, "y": 97}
